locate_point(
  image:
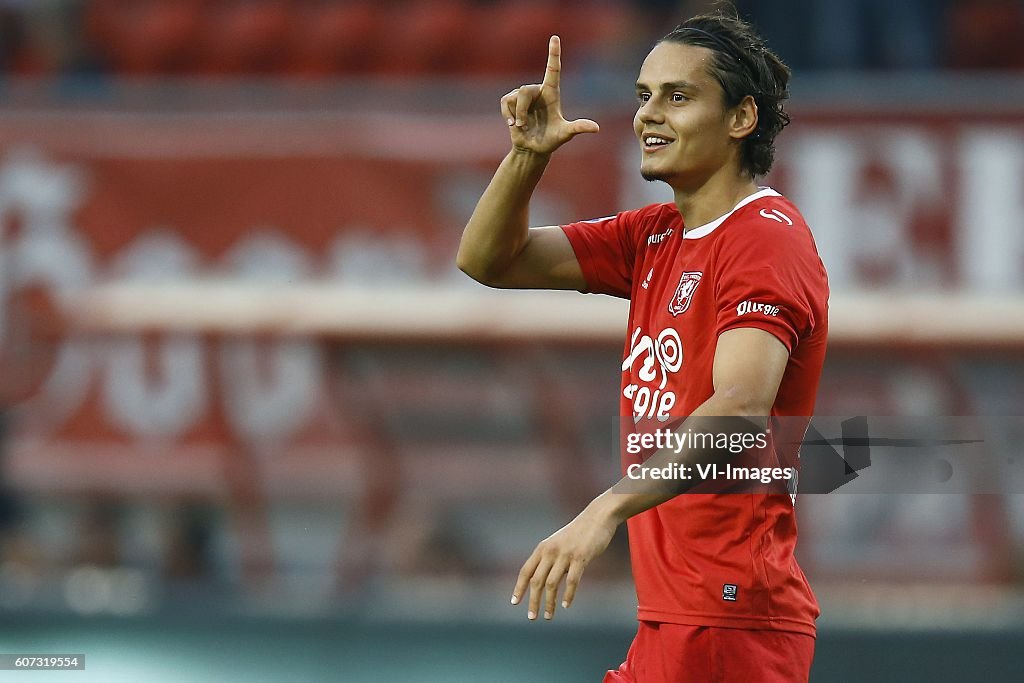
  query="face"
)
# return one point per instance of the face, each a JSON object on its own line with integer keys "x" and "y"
{"x": 682, "y": 105}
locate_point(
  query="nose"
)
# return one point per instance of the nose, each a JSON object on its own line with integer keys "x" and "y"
{"x": 649, "y": 112}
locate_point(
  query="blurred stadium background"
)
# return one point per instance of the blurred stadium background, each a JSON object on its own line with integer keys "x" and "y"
{"x": 256, "y": 426}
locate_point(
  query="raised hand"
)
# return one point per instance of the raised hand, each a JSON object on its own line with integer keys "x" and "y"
{"x": 534, "y": 112}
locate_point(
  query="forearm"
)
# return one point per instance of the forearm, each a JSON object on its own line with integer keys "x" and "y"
{"x": 499, "y": 227}
{"x": 633, "y": 495}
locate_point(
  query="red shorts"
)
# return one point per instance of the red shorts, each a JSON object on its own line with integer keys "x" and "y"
{"x": 674, "y": 653}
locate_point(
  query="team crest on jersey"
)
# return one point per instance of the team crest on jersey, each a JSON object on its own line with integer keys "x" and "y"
{"x": 684, "y": 292}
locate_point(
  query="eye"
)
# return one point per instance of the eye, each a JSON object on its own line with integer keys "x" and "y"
{"x": 643, "y": 97}
{"x": 678, "y": 97}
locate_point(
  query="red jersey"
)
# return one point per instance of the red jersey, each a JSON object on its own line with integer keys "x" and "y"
{"x": 702, "y": 559}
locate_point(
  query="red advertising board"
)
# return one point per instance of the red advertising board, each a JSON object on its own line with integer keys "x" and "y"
{"x": 896, "y": 201}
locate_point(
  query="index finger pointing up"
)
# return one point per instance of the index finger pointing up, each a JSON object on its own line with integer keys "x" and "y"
{"x": 554, "y": 68}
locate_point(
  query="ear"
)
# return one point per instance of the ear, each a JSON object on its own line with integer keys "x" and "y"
{"x": 743, "y": 119}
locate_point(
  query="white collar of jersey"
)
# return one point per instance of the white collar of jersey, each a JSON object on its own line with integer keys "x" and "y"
{"x": 708, "y": 228}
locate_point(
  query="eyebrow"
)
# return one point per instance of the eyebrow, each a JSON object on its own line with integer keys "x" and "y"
{"x": 672, "y": 85}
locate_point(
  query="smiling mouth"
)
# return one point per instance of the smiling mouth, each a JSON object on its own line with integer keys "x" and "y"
{"x": 652, "y": 143}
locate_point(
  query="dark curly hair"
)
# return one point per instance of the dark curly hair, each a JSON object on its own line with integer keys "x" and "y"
{"x": 743, "y": 65}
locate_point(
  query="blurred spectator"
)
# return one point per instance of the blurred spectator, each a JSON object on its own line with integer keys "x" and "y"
{"x": 8, "y": 504}
{"x": 188, "y": 554}
{"x": 12, "y": 36}
{"x": 42, "y": 36}
{"x": 426, "y": 541}
{"x": 98, "y": 537}
{"x": 19, "y": 553}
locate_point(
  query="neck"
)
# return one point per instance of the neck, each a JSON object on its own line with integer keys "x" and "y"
{"x": 714, "y": 198}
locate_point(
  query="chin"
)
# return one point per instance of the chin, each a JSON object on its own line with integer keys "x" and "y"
{"x": 657, "y": 169}
{"x": 651, "y": 176}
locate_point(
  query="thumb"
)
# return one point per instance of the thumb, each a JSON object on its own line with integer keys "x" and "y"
{"x": 583, "y": 126}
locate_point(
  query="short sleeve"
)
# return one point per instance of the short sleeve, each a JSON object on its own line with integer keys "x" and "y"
{"x": 606, "y": 251}
{"x": 767, "y": 281}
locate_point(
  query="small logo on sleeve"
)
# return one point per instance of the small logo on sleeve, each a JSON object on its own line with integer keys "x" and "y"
{"x": 684, "y": 292}
{"x": 755, "y": 307}
{"x": 730, "y": 592}
{"x": 776, "y": 215}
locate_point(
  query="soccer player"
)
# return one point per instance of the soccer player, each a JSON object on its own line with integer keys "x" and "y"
{"x": 728, "y": 317}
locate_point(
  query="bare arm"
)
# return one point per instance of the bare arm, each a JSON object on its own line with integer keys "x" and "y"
{"x": 748, "y": 369}
{"x": 498, "y": 247}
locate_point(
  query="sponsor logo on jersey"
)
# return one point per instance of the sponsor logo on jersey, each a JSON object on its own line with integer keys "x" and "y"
{"x": 659, "y": 238}
{"x": 755, "y": 307}
{"x": 730, "y": 592}
{"x": 684, "y": 292}
{"x": 651, "y": 362}
{"x": 776, "y": 215}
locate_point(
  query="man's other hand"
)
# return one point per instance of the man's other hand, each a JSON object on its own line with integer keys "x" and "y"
{"x": 564, "y": 555}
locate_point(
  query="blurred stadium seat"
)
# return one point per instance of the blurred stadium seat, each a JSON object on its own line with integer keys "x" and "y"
{"x": 335, "y": 38}
{"x": 415, "y": 37}
{"x": 419, "y": 38}
{"x": 147, "y": 37}
{"x": 986, "y": 34}
{"x": 507, "y": 35}
{"x": 248, "y": 37}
